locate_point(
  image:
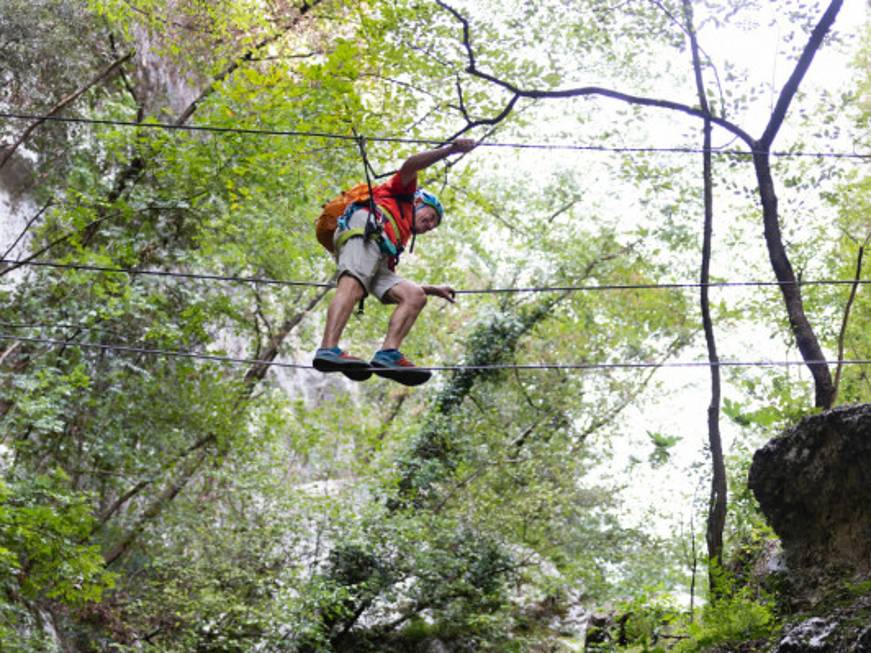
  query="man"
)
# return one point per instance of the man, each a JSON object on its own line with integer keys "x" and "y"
{"x": 367, "y": 250}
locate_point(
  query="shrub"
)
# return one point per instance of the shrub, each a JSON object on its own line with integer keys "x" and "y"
{"x": 731, "y": 620}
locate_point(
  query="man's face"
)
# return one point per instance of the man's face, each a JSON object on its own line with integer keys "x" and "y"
{"x": 425, "y": 218}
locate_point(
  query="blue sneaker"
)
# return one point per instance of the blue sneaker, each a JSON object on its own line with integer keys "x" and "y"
{"x": 392, "y": 364}
{"x": 333, "y": 359}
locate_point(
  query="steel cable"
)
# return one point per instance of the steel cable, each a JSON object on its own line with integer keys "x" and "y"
{"x": 433, "y": 368}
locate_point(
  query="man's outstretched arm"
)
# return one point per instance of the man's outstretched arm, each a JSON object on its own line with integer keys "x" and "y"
{"x": 418, "y": 162}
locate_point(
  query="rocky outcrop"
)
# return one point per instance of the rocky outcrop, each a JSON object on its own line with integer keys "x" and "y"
{"x": 813, "y": 484}
{"x": 842, "y": 628}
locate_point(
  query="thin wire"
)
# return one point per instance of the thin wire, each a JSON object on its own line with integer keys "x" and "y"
{"x": 434, "y": 368}
{"x": 424, "y": 141}
{"x": 665, "y": 286}
{"x": 478, "y": 291}
{"x": 163, "y": 273}
{"x": 60, "y": 325}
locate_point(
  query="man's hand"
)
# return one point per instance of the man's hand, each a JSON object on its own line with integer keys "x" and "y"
{"x": 463, "y": 145}
{"x": 445, "y": 292}
{"x": 417, "y": 162}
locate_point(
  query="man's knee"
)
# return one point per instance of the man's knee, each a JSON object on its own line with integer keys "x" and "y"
{"x": 415, "y": 297}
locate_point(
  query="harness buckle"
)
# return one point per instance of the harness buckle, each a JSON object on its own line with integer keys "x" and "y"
{"x": 374, "y": 226}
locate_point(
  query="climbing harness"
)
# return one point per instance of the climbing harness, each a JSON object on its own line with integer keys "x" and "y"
{"x": 379, "y": 216}
{"x": 336, "y": 214}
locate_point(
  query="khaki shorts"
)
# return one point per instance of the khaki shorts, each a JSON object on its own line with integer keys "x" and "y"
{"x": 364, "y": 260}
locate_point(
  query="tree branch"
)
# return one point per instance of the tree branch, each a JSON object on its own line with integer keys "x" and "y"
{"x": 303, "y": 9}
{"x": 57, "y": 241}
{"x": 26, "y": 229}
{"x": 717, "y": 504}
{"x": 258, "y": 370}
{"x": 787, "y": 93}
{"x": 253, "y": 375}
{"x": 62, "y": 104}
{"x": 853, "y": 289}
{"x": 613, "y": 412}
{"x": 155, "y": 508}
{"x": 694, "y": 38}
{"x": 588, "y": 90}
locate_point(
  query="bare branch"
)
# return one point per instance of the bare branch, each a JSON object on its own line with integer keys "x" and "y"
{"x": 62, "y": 104}
{"x": 53, "y": 243}
{"x": 717, "y": 504}
{"x": 694, "y": 37}
{"x": 155, "y": 508}
{"x": 516, "y": 442}
{"x": 462, "y": 105}
{"x": 588, "y": 90}
{"x": 853, "y": 289}
{"x": 11, "y": 348}
{"x": 627, "y": 400}
{"x": 514, "y": 228}
{"x": 790, "y": 88}
{"x": 564, "y": 208}
{"x": 26, "y": 229}
{"x": 499, "y": 117}
{"x": 257, "y": 371}
{"x": 282, "y": 57}
{"x": 429, "y": 53}
{"x": 124, "y": 498}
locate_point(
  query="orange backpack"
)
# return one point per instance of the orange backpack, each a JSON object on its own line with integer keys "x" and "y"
{"x": 325, "y": 225}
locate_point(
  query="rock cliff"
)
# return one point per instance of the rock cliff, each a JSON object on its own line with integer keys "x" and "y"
{"x": 813, "y": 484}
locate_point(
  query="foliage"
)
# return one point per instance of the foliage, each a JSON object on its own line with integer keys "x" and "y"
{"x": 731, "y": 621}
{"x": 157, "y": 502}
{"x": 652, "y": 623}
{"x": 43, "y": 554}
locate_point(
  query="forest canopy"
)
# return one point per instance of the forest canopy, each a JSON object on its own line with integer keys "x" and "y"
{"x": 668, "y": 196}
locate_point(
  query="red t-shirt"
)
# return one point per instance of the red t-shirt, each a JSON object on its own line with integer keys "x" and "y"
{"x": 402, "y": 208}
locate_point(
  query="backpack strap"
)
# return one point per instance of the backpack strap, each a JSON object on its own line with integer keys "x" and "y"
{"x": 393, "y": 225}
{"x": 349, "y": 233}
{"x": 364, "y": 232}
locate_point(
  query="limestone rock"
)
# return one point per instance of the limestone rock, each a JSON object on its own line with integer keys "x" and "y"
{"x": 814, "y": 485}
{"x": 841, "y": 627}
{"x": 807, "y": 637}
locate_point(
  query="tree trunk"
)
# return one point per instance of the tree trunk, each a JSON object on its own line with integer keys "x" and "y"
{"x": 717, "y": 504}
{"x": 805, "y": 338}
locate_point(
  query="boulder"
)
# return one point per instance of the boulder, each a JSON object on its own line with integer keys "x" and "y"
{"x": 841, "y": 629}
{"x": 807, "y": 636}
{"x": 813, "y": 484}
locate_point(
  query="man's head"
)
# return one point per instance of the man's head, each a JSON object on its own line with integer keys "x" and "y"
{"x": 428, "y": 212}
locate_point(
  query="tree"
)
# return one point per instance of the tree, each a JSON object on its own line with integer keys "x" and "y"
{"x": 760, "y": 148}
{"x": 718, "y": 498}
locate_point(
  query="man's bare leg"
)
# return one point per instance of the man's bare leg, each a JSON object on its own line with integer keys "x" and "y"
{"x": 348, "y": 294}
{"x": 410, "y": 299}
{"x": 389, "y": 362}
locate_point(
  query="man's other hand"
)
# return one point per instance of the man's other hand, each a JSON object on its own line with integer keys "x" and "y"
{"x": 445, "y": 292}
